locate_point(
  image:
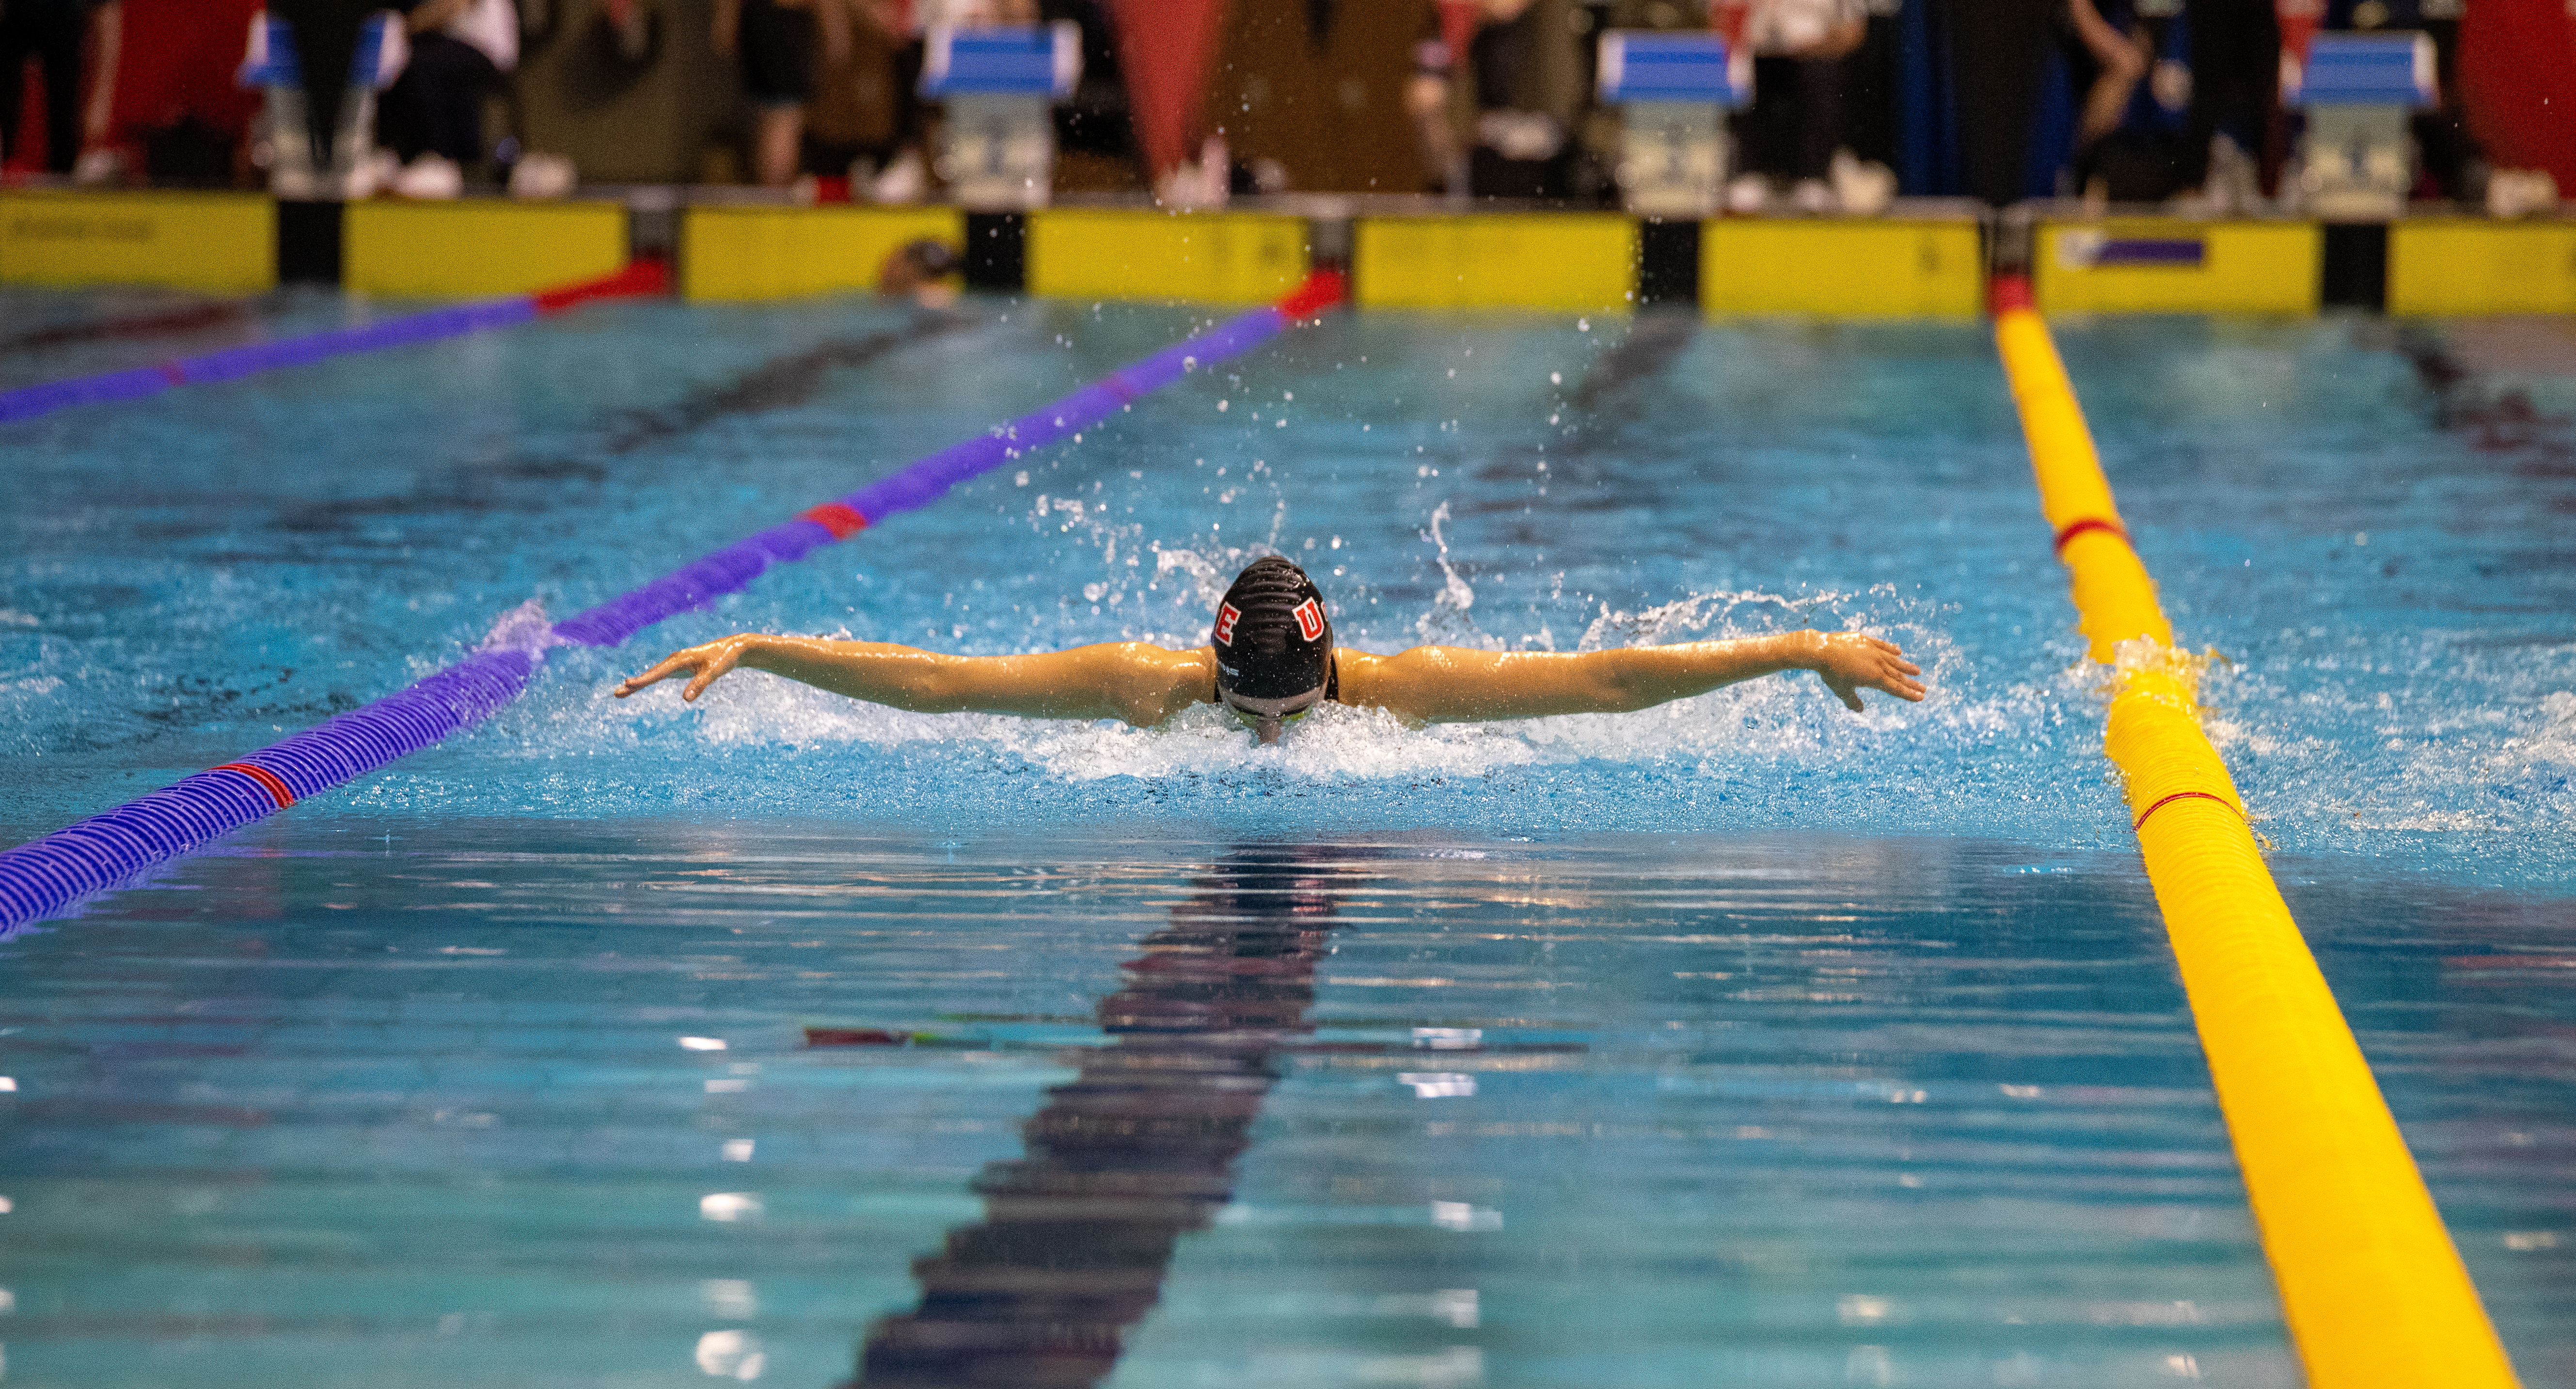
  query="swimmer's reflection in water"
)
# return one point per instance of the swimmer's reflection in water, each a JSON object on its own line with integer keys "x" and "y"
{"x": 1135, "y": 1152}
{"x": 1270, "y": 661}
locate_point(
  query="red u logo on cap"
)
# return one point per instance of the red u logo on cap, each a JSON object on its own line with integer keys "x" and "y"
{"x": 1226, "y": 617}
{"x": 1310, "y": 619}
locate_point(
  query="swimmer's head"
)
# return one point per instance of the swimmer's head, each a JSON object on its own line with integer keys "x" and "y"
{"x": 1274, "y": 646}
{"x": 920, "y": 268}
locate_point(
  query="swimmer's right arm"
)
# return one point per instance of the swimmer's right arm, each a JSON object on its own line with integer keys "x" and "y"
{"x": 1138, "y": 682}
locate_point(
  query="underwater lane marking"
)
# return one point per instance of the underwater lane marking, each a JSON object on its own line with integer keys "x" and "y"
{"x": 45, "y": 876}
{"x": 231, "y": 364}
{"x": 269, "y": 781}
{"x": 2372, "y": 1287}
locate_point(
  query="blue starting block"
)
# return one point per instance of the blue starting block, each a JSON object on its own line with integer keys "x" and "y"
{"x": 1040, "y": 61}
{"x": 2357, "y": 161}
{"x": 2369, "y": 70}
{"x": 1639, "y": 66}
{"x": 997, "y": 146}
{"x": 1674, "y": 89}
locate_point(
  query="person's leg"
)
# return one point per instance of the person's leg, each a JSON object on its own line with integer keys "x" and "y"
{"x": 14, "y": 48}
{"x": 403, "y": 114}
{"x": 1998, "y": 55}
{"x": 463, "y": 76}
{"x": 779, "y": 140}
{"x": 778, "y": 58}
{"x": 61, "y": 57}
{"x": 1765, "y": 134}
{"x": 1819, "y": 115}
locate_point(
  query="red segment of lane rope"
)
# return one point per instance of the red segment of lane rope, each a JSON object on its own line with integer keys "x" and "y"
{"x": 1322, "y": 290}
{"x": 268, "y": 781}
{"x": 2006, "y": 293}
{"x": 840, "y": 518}
{"x": 2073, "y": 529}
{"x": 643, "y": 277}
{"x": 2185, "y": 796}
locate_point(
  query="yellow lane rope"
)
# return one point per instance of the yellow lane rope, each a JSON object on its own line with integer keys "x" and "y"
{"x": 2373, "y": 1289}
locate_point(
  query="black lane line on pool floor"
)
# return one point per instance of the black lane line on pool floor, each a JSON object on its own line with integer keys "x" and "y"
{"x": 1137, "y": 1150}
{"x": 2505, "y": 424}
{"x": 781, "y": 383}
{"x": 1572, "y": 457}
{"x": 146, "y": 327}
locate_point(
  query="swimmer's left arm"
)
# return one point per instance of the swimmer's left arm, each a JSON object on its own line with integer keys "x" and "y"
{"x": 1446, "y": 684}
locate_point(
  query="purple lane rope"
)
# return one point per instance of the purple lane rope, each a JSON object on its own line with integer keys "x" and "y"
{"x": 42, "y": 877}
{"x": 232, "y": 364}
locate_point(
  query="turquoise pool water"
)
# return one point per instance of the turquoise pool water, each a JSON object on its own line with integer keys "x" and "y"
{"x": 1741, "y": 1041}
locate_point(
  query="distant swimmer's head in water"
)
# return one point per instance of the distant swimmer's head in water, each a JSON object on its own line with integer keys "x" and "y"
{"x": 1273, "y": 646}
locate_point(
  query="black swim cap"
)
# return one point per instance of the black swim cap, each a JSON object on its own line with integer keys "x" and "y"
{"x": 934, "y": 259}
{"x": 1272, "y": 639}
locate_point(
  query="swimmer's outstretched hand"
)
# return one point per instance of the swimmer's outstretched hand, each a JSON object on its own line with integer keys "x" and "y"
{"x": 703, "y": 664}
{"x": 1854, "y": 661}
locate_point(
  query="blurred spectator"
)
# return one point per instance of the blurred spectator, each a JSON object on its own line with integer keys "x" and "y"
{"x": 164, "y": 98}
{"x": 1504, "y": 81}
{"x": 2233, "y": 57}
{"x": 1800, "y": 72}
{"x": 2182, "y": 100}
{"x": 1095, "y": 133}
{"x": 868, "y": 120}
{"x": 778, "y": 44}
{"x": 461, "y": 51}
{"x": 1526, "y": 83}
{"x": 2127, "y": 142}
{"x": 1304, "y": 94}
{"x": 50, "y": 32}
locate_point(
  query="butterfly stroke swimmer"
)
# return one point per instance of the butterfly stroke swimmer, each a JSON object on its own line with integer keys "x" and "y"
{"x": 1270, "y": 660}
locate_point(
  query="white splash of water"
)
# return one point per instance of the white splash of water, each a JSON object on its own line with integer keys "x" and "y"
{"x": 1447, "y": 618}
{"x": 523, "y": 628}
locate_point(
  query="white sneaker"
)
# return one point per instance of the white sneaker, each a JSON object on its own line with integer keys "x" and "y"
{"x": 542, "y": 176}
{"x": 1863, "y": 188}
{"x": 101, "y": 165}
{"x": 1748, "y": 195}
{"x": 2521, "y": 193}
{"x": 903, "y": 183}
{"x": 430, "y": 177}
{"x": 378, "y": 170}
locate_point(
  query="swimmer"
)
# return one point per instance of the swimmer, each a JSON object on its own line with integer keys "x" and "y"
{"x": 925, "y": 269}
{"x": 1270, "y": 660}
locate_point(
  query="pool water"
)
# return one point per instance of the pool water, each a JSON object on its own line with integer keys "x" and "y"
{"x": 1739, "y": 1041}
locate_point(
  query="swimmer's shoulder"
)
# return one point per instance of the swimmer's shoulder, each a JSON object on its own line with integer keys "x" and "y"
{"x": 1150, "y": 682}
{"x": 1359, "y": 677}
